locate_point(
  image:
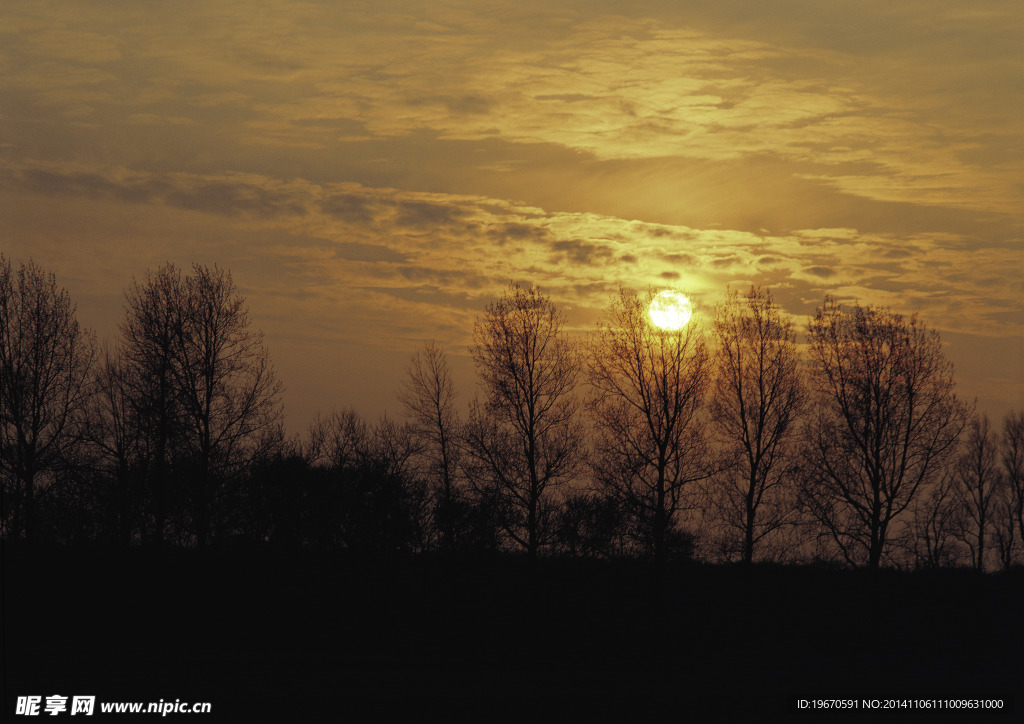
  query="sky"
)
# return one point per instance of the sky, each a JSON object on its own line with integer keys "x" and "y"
{"x": 374, "y": 173}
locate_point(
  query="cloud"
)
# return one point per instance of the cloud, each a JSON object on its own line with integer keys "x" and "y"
{"x": 432, "y": 296}
{"x": 906, "y": 118}
{"x": 348, "y": 236}
{"x": 685, "y": 260}
{"x": 355, "y": 251}
{"x": 86, "y": 183}
{"x": 580, "y": 252}
{"x": 458, "y": 105}
{"x": 426, "y": 214}
{"x": 232, "y": 197}
{"x": 820, "y": 271}
{"x": 229, "y": 194}
{"x": 348, "y": 207}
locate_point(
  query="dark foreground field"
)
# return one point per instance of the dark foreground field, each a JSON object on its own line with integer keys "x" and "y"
{"x": 270, "y": 637}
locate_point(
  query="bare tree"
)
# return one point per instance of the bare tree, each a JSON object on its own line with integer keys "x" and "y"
{"x": 931, "y": 538}
{"x": 428, "y": 396}
{"x": 152, "y": 324}
{"x": 207, "y": 387}
{"x": 114, "y": 433}
{"x": 226, "y": 384}
{"x": 1004, "y": 528}
{"x": 887, "y": 421}
{"x": 372, "y": 500}
{"x": 45, "y": 361}
{"x": 650, "y": 386}
{"x": 758, "y": 396}
{"x": 978, "y": 482}
{"x": 1013, "y": 471}
{"x": 341, "y": 439}
{"x": 524, "y": 440}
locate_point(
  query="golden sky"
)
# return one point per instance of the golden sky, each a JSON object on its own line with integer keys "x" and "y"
{"x": 373, "y": 173}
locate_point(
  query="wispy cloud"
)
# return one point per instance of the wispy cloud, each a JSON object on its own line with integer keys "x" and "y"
{"x": 893, "y": 123}
{"x": 347, "y": 236}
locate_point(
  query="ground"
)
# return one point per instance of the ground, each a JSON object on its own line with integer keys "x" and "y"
{"x": 292, "y": 637}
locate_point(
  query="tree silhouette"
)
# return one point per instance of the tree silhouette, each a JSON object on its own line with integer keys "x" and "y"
{"x": 152, "y": 323}
{"x": 1012, "y": 525}
{"x": 978, "y": 483}
{"x": 758, "y": 397}
{"x": 650, "y": 434}
{"x": 524, "y": 441}
{"x": 368, "y": 499}
{"x": 590, "y": 525}
{"x": 114, "y": 433}
{"x": 277, "y": 492}
{"x": 428, "y": 395}
{"x": 931, "y": 539}
{"x": 886, "y": 421}
{"x": 45, "y": 360}
{"x": 227, "y": 388}
{"x": 205, "y": 387}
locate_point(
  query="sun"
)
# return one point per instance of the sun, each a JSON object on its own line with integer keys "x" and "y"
{"x": 670, "y": 310}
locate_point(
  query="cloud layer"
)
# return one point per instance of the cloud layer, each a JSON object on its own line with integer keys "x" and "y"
{"x": 375, "y": 173}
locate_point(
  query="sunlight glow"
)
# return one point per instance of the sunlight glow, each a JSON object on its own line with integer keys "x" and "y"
{"x": 670, "y": 310}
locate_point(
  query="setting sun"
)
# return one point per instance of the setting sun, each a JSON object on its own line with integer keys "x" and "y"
{"x": 670, "y": 310}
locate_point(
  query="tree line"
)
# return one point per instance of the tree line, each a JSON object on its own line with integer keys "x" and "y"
{"x": 738, "y": 441}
